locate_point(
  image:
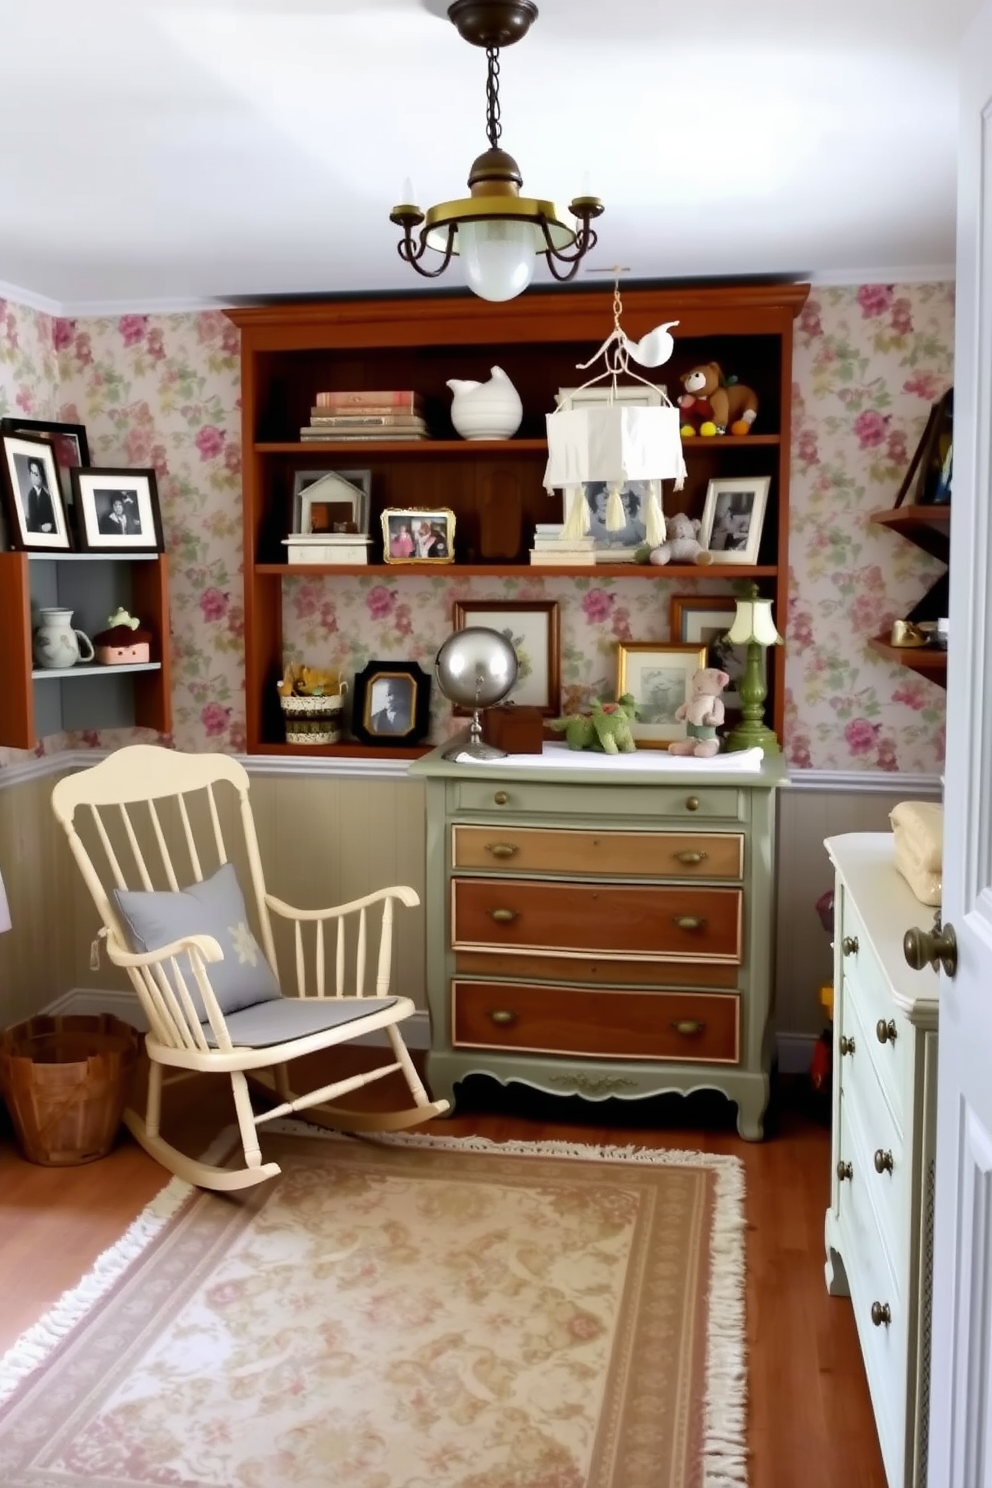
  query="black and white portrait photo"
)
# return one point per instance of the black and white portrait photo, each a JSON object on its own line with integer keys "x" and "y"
{"x": 36, "y": 495}
{"x": 32, "y": 494}
{"x": 632, "y": 496}
{"x": 732, "y": 522}
{"x": 391, "y": 705}
{"x": 733, "y": 517}
{"x": 117, "y": 513}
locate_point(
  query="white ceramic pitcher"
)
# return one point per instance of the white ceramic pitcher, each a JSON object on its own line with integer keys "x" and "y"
{"x": 57, "y": 643}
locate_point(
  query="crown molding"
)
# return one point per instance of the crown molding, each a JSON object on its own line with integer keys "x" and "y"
{"x": 906, "y": 274}
{"x": 28, "y": 298}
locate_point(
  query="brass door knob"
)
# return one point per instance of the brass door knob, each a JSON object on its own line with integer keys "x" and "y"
{"x": 503, "y": 1016}
{"x": 692, "y": 803}
{"x": 846, "y": 1044}
{"x": 501, "y": 849}
{"x": 937, "y": 948}
{"x": 844, "y": 1170}
{"x": 501, "y": 798}
{"x": 886, "y": 1032}
{"x": 883, "y": 1161}
{"x": 503, "y": 916}
{"x": 849, "y": 945}
{"x": 881, "y": 1313}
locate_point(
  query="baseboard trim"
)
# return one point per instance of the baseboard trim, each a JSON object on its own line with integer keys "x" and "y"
{"x": 795, "y": 1052}
{"x": 91, "y": 1001}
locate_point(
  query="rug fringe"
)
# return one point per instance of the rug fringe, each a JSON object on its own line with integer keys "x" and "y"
{"x": 34, "y": 1346}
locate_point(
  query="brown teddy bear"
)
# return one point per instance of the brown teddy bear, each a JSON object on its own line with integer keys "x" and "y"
{"x": 681, "y": 543}
{"x": 714, "y": 404}
{"x": 703, "y": 714}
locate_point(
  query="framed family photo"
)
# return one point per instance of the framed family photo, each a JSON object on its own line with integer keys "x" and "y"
{"x": 659, "y": 674}
{"x": 36, "y": 517}
{"x": 733, "y": 517}
{"x": 391, "y": 703}
{"x": 117, "y": 511}
{"x": 531, "y": 627}
{"x": 704, "y": 619}
{"x": 68, "y": 441}
{"x": 620, "y": 546}
{"x": 418, "y": 535}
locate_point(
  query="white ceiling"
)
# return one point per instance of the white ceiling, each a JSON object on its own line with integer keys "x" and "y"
{"x": 167, "y": 153}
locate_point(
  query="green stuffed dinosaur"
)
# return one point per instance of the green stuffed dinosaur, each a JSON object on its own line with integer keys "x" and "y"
{"x": 606, "y": 728}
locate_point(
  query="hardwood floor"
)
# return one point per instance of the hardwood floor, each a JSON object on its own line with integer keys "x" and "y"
{"x": 810, "y": 1419}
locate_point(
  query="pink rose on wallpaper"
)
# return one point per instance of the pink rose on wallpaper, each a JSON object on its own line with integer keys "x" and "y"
{"x": 329, "y": 617}
{"x": 237, "y": 737}
{"x": 236, "y": 621}
{"x": 25, "y": 400}
{"x": 911, "y": 695}
{"x": 232, "y": 459}
{"x": 209, "y": 441}
{"x": 902, "y": 317}
{"x": 137, "y": 445}
{"x": 807, "y": 449}
{"x": 215, "y": 718}
{"x": 209, "y": 325}
{"x": 62, "y": 333}
{"x": 895, "y": 446}
{"x": 12, "y": 340}
{"x": 213, "y": 604}
{"x": 867, "y": 614}
{"x": 875, "y": 299}
{"x": 154, "y": 344}
{"x": 402, "y": 621}
{"x": 380, "y": 602}
{"x": 798, "y": 751}
{"x": 870, "y": 427}
{"x": 861, "y": 735}
{"x": 596, "y": 605}
{"x": 83, "y": 350}
{"x": 886, "y": 757}
{"x": 621, "y": 624}
{"x": 801, "y": 631}
{"x": 924, "y": 385}
{"x": 132, "y": 328}
{"x": 160, "y": 461}
{"x": 809, "y": 319}
{"x": 230, "y": 341}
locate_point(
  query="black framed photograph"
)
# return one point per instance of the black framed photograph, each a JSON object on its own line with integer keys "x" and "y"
{"x": 418, "y": 535}
{"x": 69, "y": 442}
{"x": 391, "y": 703}
{"x": 117, "y": 511}
{"x": 36, "y": 518}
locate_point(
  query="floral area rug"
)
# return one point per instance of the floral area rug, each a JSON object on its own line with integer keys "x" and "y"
{"x": 405, "y": 1312}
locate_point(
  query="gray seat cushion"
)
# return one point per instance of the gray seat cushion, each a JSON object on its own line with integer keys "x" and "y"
{"x": 216, "y": 907}
{"x": 294, "y": 1017}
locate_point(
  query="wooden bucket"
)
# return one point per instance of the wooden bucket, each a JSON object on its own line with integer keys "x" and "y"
{"x": 66, "y": 1082}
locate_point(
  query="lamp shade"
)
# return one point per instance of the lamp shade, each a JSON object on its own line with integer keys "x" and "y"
{"x": 613, "y": 442}
{"x": 753, "y": 623}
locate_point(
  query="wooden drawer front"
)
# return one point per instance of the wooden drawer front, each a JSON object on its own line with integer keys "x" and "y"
{"x": 601, "y": 919}
{"x": 871, "y": 1133}
{"x": 866, "y": 992}
{"x": 601, "y": 972}
{"x": 684, "y": 803}
{"x": 599, "y": 854}
{"x": 693, "y": 1027}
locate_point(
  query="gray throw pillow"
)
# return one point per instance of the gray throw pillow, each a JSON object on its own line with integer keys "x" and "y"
{"x": 214, "y": 907}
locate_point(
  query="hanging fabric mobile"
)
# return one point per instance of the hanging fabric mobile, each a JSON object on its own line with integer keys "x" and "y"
{"x": 616, "y": 442}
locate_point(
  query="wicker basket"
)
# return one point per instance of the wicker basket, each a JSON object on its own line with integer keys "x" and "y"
{"x": 66, "y": 1082}
{"x": 312, "y": 720}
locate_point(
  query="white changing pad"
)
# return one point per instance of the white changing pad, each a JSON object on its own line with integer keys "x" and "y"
{"x": 654, "y": 761}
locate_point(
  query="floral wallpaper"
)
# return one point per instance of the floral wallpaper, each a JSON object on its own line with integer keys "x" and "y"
{"x": 163, "y": 391}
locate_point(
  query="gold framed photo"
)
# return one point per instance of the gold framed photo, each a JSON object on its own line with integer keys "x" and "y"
{"x": 659, "y": 674}
{"x": 418, "y": 534}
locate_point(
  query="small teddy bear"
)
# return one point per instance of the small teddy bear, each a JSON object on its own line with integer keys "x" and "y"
{"x": 606, "y": 728}
{"x": 703, "y": 714}
{"x": 681, "y": 543}
{"x": 715, "y": 404}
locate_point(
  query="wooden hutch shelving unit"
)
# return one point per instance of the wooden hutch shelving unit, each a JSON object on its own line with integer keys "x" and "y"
{"x": 929, "y": 527}
{"x": 290, "y": 352}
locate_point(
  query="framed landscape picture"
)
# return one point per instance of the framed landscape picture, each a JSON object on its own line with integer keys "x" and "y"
{"x": 531, "y": 627}
{"x": 659, "y": 674}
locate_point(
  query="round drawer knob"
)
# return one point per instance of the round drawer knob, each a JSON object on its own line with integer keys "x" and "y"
{"x": 692, "y": 803}
{"x": 883, "y": 1161}
{"x": 881, "y": 1313}
{"x": 844, "y": 1170}
{"x": 688, "y": 1027}
{"x": 886, "y": 1032}
{"x": 849, "y": 945}
{"x": 503, "y": 916}
{"x": 501, "y": 798}
{"x": 501, "y": 849}
{"x": 502, "y": 1016}
{"x": 846, "y": 1044}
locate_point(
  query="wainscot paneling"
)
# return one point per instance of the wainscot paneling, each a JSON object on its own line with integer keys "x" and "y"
{"x": 37, "y": 958}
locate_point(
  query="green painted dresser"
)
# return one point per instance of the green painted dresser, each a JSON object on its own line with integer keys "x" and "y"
{"x": 603, "y": 928}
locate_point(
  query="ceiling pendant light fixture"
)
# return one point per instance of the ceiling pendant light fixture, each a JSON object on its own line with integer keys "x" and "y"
{"x": 498, "y": 234}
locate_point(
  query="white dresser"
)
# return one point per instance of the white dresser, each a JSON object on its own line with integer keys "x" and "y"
{"x": 879, "y": 1227}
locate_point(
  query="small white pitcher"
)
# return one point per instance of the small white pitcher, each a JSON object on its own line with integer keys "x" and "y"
{"x": 57, "y": 644}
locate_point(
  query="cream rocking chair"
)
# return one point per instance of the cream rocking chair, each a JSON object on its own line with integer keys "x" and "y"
{"x": 145, "y": 827}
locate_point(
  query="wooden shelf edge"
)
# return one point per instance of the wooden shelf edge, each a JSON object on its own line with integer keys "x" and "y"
{"x": 340, "y": 751}
{"x": 475, "y": 446}
{"x": 929, "y": 661}
{"x": 899, "y": 517}
{"x": 518, "y": 570}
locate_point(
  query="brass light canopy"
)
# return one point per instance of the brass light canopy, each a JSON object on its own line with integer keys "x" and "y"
{"x": 498, "y": 233}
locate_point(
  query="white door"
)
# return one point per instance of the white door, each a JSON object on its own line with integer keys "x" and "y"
{"x": 960, "y": 1453}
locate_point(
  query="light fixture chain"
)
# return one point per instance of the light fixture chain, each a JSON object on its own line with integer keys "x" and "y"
{"x": 493, "y": 126}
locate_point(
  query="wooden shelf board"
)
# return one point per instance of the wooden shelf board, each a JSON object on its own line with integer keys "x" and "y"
{"x": 928, "y": 661}
{"x": 342, "y": 751}
{"x": 520, "y": 570}
{"x": 471, "y": 446}
{"x": 906, "y": 519}
{"x": 93, "y": 669}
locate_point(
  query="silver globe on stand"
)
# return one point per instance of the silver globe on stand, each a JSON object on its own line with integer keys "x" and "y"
{"x": 475, "y": 668}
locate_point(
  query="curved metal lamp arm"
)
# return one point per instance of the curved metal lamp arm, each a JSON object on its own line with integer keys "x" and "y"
{"x": 586, "y": 239}
{"x": 411, "y": 251}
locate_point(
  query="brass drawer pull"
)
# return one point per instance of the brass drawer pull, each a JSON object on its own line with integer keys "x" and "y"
{"x": 503, "y": 916}
{"x": 846, "y": 1044}
{"x": 883, "y": 1161}
{"x": 501, "y": 849}
{"x": 501, "y": 798}
{"x": 687, "y": 1027}
{"x": 692, "y": 858}
{"x": 688, "y": 922}
{"x": 844, "y": 1170}
{"x": 881, "y": 1313}
{"x": 692, "y": 803}
{"x": 849, "y": 945}
{"x": 886, "y": 1032}
{"x": 502, "y": 1016}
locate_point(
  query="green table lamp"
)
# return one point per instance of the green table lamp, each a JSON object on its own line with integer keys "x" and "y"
{"x": 754, "y": 628}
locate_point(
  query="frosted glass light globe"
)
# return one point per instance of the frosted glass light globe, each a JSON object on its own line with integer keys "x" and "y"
{"x": 498, "y": 257}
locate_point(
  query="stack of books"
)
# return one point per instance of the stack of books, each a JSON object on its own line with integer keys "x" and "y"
{"x": 551, "y": 549}
{"x": 356, "y": 415}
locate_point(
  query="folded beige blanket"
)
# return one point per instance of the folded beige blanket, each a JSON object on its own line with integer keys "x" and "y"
{"x": 921, "y": 826}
